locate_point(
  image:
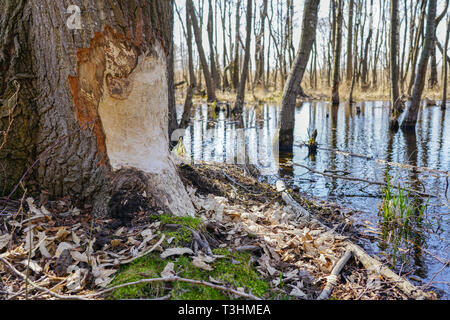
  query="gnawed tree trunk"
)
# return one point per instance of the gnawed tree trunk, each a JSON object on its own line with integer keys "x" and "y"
{"x": 93, "y": 103}
{"x": 410, "y": 118}
{"x": 292, "y": 86}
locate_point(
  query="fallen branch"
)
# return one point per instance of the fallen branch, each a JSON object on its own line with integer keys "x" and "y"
{"x": 368, "y": 262}
{"x": 34, "y": 285}
{"x": 144, "y": 253}
{"x": 372, "y": 263}
{"x": 362, "y": 180}
{"x": 384, "y": 162}
{"x": 175, "y": 279}
{"x": 332, "y": 278}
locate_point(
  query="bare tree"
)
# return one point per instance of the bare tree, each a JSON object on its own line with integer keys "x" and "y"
{"x": 292, "y": 86}
{"x": 445, "y": 67}
{"x": 241, "y": 91}
{"x": 212, "y": 58}
{"x": 210, "y": 89}
{"x": 349, "y": 41}
{"x": 337, "y": 16}
{"x": 393, "y": 45}
{"x": 410, "y": 118}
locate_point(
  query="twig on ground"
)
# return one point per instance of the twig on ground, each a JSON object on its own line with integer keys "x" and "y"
{"x": 332, "y": 278}
{"x": 175, "y": 279}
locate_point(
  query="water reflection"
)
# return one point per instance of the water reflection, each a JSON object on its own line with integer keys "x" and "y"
{"x": 361, "y": 129}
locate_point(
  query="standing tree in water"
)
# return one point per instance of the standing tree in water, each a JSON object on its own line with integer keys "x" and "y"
{"x": 410, "y": 116}
{"x": 90, "y": 94}
{"x": 292, "y": 86}
{"x": 393, "y": 45}
{"x": 241, "y": 90}
{"x": 337, "y": 15}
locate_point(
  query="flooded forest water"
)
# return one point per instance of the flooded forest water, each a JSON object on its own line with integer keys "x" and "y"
{"x": 420, "y": 251}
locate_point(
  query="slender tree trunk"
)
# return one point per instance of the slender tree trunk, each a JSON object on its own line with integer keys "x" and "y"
{"x": 433, "y": 80}
{"x": 445, "y": 68}
{"x": 393, "y": 45}
{"x": 415, "y": 52}
{"x": 365, "y": 58}
{"x": 237, "y": 39}
{"x": 241, "y": 91}
{"x": 192, "y": 80}
{"x": 259, "y": 47}
{"x": 210, "y": 89}
{"x": 173, "y": 124}
{"x": 410, "y": 119}
{"x": 337, "y": 52}
{"x": 212, "y": 59}
{"x": 292, "y": 86}
{"x": 90, "y": 119}
{"x": 349, "y": 42}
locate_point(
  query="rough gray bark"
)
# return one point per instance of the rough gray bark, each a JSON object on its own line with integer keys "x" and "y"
{"x": 241, "y": 90}
{"x": 210, "y": 89}
{"x": 87, "y": 98}
{"x": 410, "y": 118}
{"x": 292, "y": 86}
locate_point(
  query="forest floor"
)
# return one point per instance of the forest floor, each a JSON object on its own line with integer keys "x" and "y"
{"x": 244, "y": 242}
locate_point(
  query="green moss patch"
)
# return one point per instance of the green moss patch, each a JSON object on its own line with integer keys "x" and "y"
{"x": 234, "y": 270}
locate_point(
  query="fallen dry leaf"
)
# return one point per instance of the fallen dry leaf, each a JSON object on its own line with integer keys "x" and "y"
{"x": 168, "y": 270}
{"x": 176, "y": 252}
{"x": 199, "y": 263}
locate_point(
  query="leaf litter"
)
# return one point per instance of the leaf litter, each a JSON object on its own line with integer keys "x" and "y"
{"x": 65, "y": 250}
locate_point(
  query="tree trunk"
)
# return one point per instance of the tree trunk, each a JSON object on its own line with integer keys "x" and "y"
{"x": 292, "y": 86}
{"x": 92, "y": 104}
{"x": 170, "y": 76}
{"x": 259, "y": 47}
{"x": 349, "y": 41}
{"x": 365, "y": 59}
{"x": 210, "y": 89}
{"x": 445, "y": 68}
{"x": 433, "y": 80}
{"x": 241, "y": 91}
{"x": 410, "y": 118}
{"x": 337, "y": 51}
{"x": 192, "y": 80}
{"x": 212, "y": 59}
{"x": 237, "y": 39}
{"x": 393, "y": 45}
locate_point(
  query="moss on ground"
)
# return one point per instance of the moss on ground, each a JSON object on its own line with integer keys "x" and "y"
{"x": 182, "y": 236}
{"x": 234, "y": 270}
